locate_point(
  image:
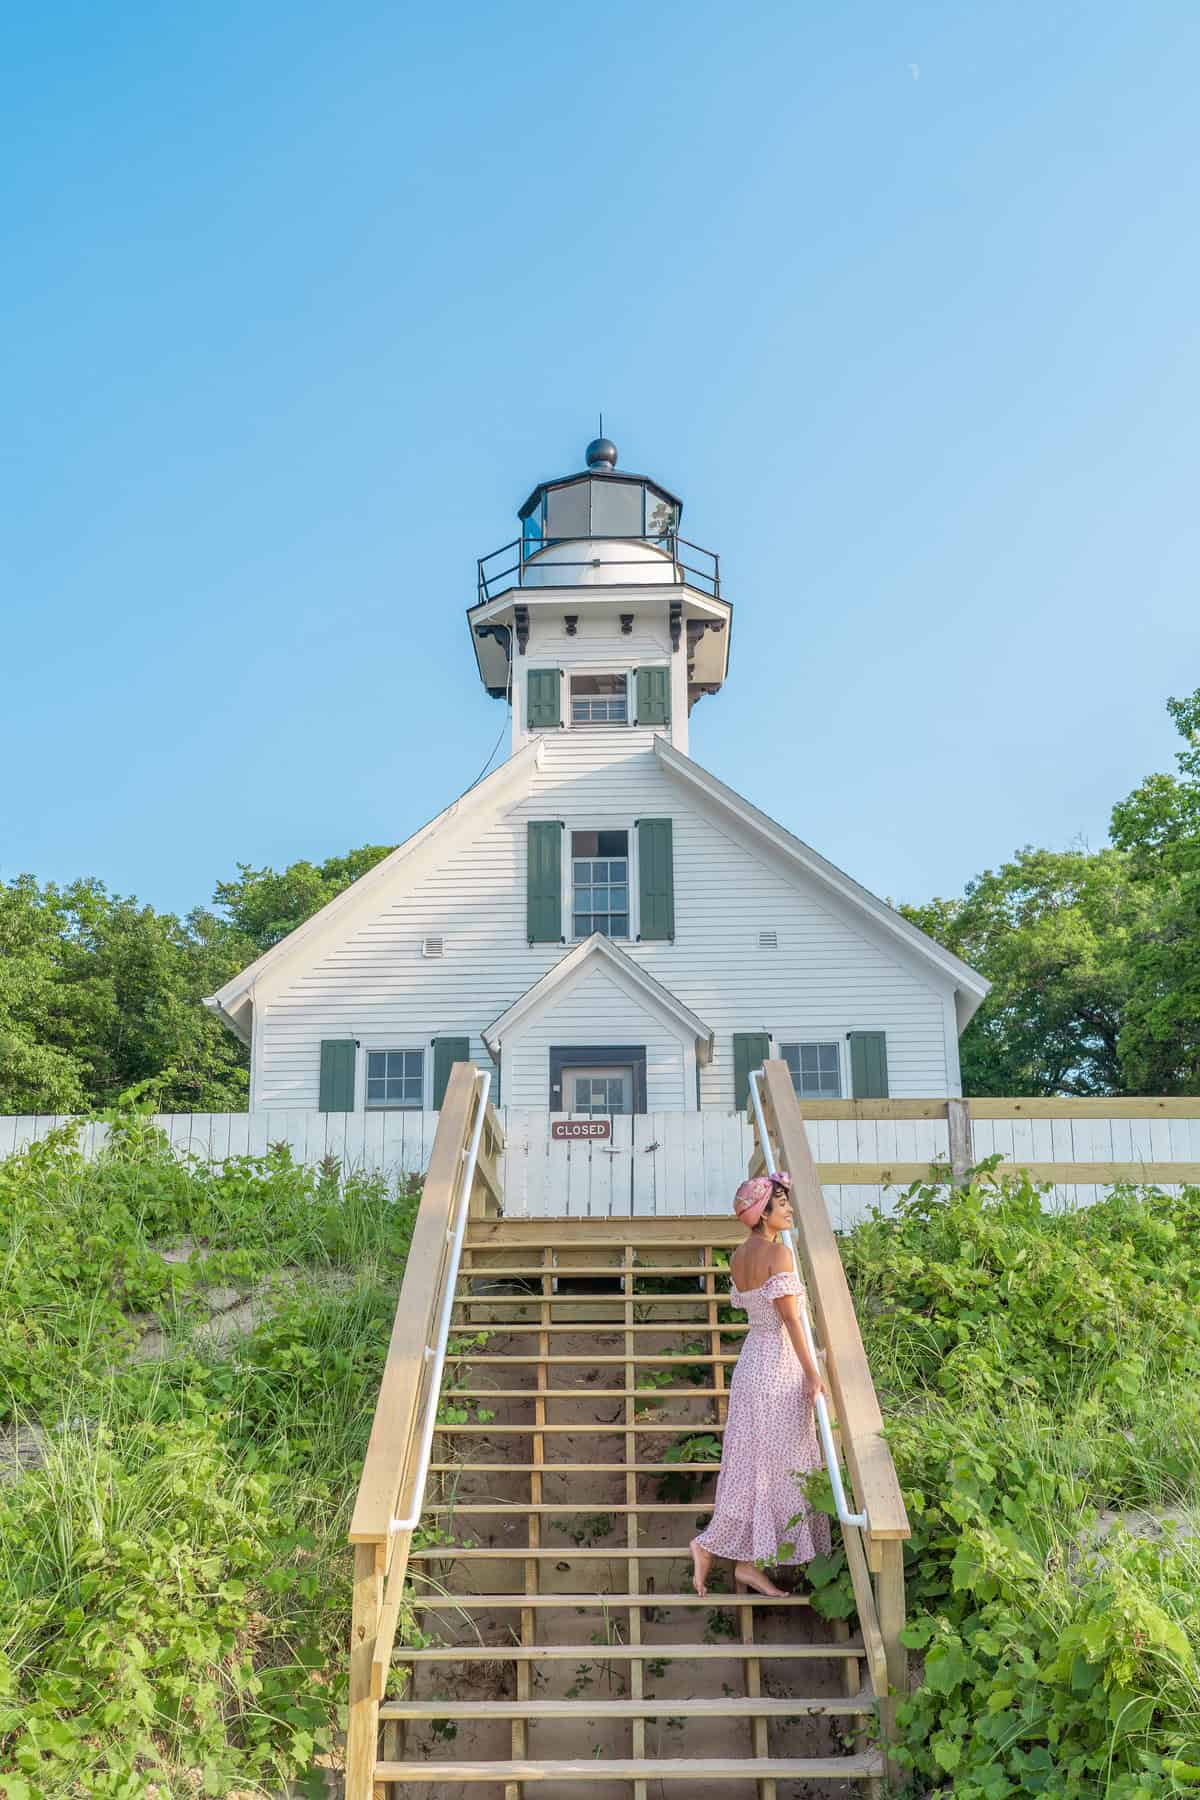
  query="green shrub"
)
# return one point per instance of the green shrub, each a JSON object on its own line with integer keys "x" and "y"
{"x": 1040, "y": 1371}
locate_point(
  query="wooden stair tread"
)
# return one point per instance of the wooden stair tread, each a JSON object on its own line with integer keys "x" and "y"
{"x": 522, "y": 1553}
{"x": 577, "y": 1271}
{"x": 666, "y": 1359}
{"x": 697, "y": 1299}
{"x": 682, "y": 1652}
{"x": 504, "y": 1602}
{"x": 719, "y": 1707}
{"x": 862, "y": 1766}
{"x": 518, "y": 1509}
{"x": 648, "y": 1394}
{"x": 607, "y": 1327}
{"x": 567, "y": 1428}
{"x": 574, "y": 1468}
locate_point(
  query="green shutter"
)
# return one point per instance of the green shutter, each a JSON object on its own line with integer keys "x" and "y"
{"x": 542, "y": 711}
{"x": 750, "y": 1051}
{"x": 446, "y": 1052}
{"x": 868, "y": 1065}
{"x": 337, "y": 1074}
{"x": 654, "y": 696}
{"x": 543, "y": 915}
{"x": 656, "y": 881}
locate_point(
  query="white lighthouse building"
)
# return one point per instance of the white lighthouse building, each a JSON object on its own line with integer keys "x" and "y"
{"x": 602, "y": 919}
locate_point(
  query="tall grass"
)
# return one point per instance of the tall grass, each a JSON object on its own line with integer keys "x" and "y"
{"x": 174, "y": 1580}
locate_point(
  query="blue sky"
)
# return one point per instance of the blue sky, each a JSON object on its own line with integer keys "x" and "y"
{"x": 299, "y": 303}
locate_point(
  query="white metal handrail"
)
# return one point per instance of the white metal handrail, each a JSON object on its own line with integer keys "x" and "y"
{"x": 824, "y": 1425}
{"x": 435, "y": 1352}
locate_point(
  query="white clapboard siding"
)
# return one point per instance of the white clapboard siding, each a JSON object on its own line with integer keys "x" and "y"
{"x": 660, "y": 1163}
{"x": 826, "y": 977}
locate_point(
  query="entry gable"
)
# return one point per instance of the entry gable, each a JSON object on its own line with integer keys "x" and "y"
{"x": 599, "y": 953}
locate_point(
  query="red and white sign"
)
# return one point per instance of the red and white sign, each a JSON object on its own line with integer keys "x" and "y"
{"x": 581, "y": 1128}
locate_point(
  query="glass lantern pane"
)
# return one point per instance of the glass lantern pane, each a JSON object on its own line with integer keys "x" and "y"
{"x": 616, "y": 508}
{"x": 567, "y": 511}
{"x": 660, "y": 514}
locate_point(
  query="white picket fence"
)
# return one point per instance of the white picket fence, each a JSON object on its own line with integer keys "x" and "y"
{"x": 673, "y": 1162}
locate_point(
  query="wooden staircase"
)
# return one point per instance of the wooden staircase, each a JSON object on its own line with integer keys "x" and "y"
{"x": 540, "y": 1625}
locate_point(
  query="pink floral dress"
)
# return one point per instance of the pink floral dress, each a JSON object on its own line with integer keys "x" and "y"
{"x": 770, "y": 1437}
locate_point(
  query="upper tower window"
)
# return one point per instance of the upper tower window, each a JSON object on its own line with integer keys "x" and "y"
{"x": 599, "y": 700}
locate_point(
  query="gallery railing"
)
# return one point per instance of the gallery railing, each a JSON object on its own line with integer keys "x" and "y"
{"x": 511, "y": 565}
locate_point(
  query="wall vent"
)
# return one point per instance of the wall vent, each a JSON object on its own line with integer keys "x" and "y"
{"x": 768, "y": 940}
{"x": 433, "y": 946}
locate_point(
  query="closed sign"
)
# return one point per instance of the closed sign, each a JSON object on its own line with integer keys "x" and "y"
{"x": 581, "y": 1128}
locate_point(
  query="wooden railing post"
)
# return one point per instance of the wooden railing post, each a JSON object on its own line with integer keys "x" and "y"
{"x": 962, "y": 1152}
{"x": 889, "y": 1601}
{"x": 362, "y": 1730}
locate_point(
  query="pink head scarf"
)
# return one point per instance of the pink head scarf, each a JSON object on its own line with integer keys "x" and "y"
{"x": 750, "y": 1201}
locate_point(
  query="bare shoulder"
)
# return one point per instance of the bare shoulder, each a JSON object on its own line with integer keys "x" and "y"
{"x": 780, "y": 1259}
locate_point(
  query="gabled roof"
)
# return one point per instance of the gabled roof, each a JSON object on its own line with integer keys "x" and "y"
{"x": 234, "y": 1001}
{"x": 630, "y": 975}
{"x": 971, "y": 987}
{"x": 365, "y": 897}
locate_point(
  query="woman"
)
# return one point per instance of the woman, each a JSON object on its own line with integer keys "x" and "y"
{"x": 770, "y": 1435}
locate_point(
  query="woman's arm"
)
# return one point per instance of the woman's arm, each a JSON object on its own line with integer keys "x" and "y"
{"x": 788, "y": 1308}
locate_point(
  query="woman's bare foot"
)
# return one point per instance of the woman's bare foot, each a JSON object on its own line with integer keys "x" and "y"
{"x": 747, "y": 1575}
{"x": 702, "y": 1562}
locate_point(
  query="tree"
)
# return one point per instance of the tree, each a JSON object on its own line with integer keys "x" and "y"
{"x": 37, "y": 1073}
{"x": 264, "y": 905}
{"x": 1050, "y": 930}
{"x": 1158, "y": 828}
{"x": 98, "y": 993}
{"x": 1094, "y": 955}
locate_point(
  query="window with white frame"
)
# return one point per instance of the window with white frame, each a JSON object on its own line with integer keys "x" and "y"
{"x": 599, "y": 700}
{"x": 395, "y": 1078}
{"x": 600, "y": 883}
{"x": 816, "y": 1069}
